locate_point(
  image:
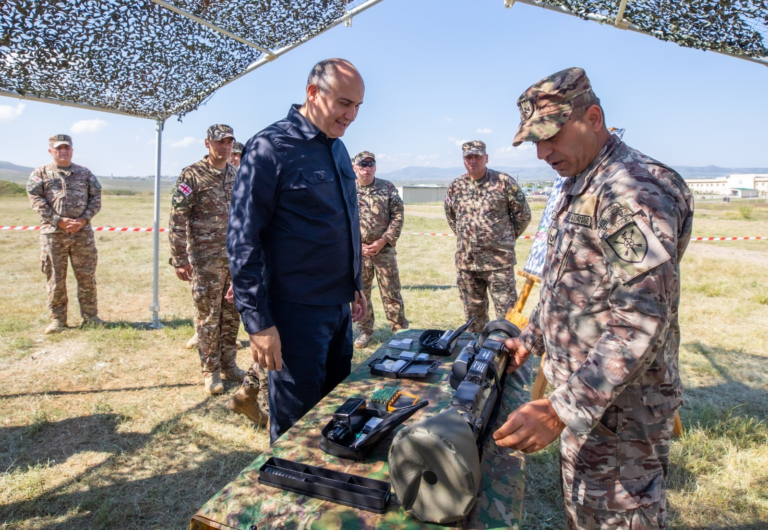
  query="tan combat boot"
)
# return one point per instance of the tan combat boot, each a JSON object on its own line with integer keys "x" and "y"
{"x": 193, "y": 342}
{"x": 93, "y": 321}
{"x": 363, "y": 340}
{"x": 233, "y": 373}
{"x": 213, "y": 383}
{"x": 244, "y": 402}
{"x": 55, "y": 326}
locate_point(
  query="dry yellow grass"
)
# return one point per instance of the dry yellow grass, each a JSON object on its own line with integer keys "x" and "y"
{"x": 111, "y": 429}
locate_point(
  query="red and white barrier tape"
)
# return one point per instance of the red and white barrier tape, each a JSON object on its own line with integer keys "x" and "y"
{"x": 122, "y": 229}
{"x": 95, "y": 228}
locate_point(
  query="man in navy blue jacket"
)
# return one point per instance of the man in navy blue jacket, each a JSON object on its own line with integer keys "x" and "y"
{"x": 294, "y": 248}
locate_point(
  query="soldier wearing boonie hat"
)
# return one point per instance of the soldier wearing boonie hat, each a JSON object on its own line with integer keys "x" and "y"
{"x": 237, "y": 153}
{"x": 197, "y": 233}
{"x": 67, "y": 196}
{"x": 487, "y": 211}
{"x": 607, "y": 314}
{"x": 381, "y": 222}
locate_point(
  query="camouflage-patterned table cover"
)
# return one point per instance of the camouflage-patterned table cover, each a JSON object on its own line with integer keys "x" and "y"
{"x": 244, "y": 504}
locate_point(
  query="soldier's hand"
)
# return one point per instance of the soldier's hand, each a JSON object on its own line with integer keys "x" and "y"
{"x": 77, "y": 224}
{"x": 266, "y": 349}
{"x": 530, "y": 428}
{"x": 67, "y": 224}
{"x": 184, "y": 273}
{"x": 359, "y": 307}
{"x": 230, "y": 296}
{"x": 517, "y": 354}
{"x": 374, "y": 248}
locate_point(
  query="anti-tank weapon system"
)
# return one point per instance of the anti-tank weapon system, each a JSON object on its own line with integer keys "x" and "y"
{"x": 434, "y": 464}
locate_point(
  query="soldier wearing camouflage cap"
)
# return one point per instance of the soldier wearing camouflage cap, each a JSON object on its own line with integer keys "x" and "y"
{"x": 487, "y": 211}
{"x": 608, "y": 313}
{"x": 381, "y": 221}
{"x": 67, "y": 196}
{"x": 237, "y": 153}
{"x": 197, "y": 232}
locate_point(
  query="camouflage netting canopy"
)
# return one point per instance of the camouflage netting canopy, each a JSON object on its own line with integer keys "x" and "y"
{"x": 144, "y": 57}
{"x": 734, "y": 27}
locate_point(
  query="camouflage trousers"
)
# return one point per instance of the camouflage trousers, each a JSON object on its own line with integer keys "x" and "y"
{"x": 257, "y": 378}
{"x": 615, "y": 478}
{"x": 384, "y": 266}
{"x": 474, "y": 287}
{"x": 57, "y": 250}
{"x": 217, "y": 321}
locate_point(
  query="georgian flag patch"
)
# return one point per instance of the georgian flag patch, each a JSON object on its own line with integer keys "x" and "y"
{"x": 186, "y": 190}
{"x": 35, "y": 178}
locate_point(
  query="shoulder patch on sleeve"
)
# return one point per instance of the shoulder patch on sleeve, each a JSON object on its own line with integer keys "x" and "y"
{"x": 185, "y": 189}
{"x": 96, "y": 183}
{"x": 633, "y": 249}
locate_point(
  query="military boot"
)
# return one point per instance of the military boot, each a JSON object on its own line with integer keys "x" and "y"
{"x": 93, "y": 321}
{"x": 233, "y": 373}
{"x": 245, "y": 402}
{"x": 363, "y": 340}
{"x": 213, "y": 383}
{"x": 56, "y": 325}
{"x": 193, "y": 342}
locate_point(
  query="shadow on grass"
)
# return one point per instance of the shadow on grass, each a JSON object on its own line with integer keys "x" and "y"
{"x": 172, "y": 324}
{"x": 116, "y": 494}
{"x": 95, "y": 391}
{"x": 430, "y": 287}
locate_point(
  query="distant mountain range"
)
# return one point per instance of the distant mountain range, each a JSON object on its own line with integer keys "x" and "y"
{"x": 443, "y": 175}
{"x": 438, "y": 175}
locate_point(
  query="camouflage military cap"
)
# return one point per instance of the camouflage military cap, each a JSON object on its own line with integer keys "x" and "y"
{"x": 362, "y": 156}
{"x": 475, "y": 147}
{"x": 547, "y": 105}
{"x": 60, "y": 139}
{"x": 220, "y": 131}
{"x": 237, "y": 147}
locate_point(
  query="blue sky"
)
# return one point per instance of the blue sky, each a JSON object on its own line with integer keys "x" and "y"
{"x": 438, "y": 72}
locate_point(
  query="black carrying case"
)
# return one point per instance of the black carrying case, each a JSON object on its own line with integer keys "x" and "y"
{"x": 390, "y": 420}
{"x": 342, "y": 488}
{"x": 445, "y": 347}
{"x": 412, "y": 369}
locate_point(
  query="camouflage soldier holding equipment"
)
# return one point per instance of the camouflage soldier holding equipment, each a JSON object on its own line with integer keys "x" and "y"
{"x": 66, "y": 196}
{"x": 608, "y": 314}
{"x": 381, "y": 221}
{"x": 487, "y": 211}
{"x": 198, "y": 229}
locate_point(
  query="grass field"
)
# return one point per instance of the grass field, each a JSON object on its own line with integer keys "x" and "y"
{"x": 110, "y": 428}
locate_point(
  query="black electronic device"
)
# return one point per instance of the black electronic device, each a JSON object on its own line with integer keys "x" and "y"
{"x": 342, "y": 488}
{"x": 478, "y": 373}
{"x": 441, "y": 342}
{"x": 396, "y": 368}
{"x": 355, "y": 429}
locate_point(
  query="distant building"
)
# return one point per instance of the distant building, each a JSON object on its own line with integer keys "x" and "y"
{"x": 422, "y": 194}
{"x": 736, "y": 185}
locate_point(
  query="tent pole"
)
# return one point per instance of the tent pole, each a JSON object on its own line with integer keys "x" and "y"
{"x": 155, "y": 307}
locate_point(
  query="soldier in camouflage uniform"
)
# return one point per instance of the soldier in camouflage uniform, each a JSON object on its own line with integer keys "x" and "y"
{"x": 198, "y": 228}
{"x": 66, "y": 196}
{"x": 608, "y": 314}
{"x": 237, "y": 152}
{"x": 487, "y": 211}
{"x": 234, "y": 159}
{"x": 381, "y": 221}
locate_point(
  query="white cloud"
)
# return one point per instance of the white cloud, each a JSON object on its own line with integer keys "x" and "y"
{"x": 457, "y": 143}
{"x": 186, "y": 142}
{"x": 484, "y": 131}
{"x": 446, "y": 118}
{"x": 9, "y": 113}
{"x": 88, "y": 126}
